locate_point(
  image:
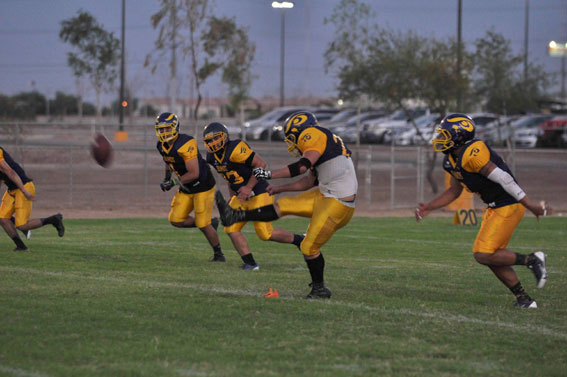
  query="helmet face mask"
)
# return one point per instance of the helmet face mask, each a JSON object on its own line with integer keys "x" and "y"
{"x": 454, "y": 131}
{"x": 167, "y": 127}
{"x": 295, "y": 124}
{"x": 215, "y": 137}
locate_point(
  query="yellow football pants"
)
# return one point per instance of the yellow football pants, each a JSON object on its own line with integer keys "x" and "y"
{"x": 263, "y": 229}
{"x": 182, "y": 205}
{"x": 15, "y": 201}
{"x": 497, "y": 227}
{"x": 327, "y": 216}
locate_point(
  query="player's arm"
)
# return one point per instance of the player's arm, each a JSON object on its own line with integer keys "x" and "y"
{"x": 14, "y": 177}
{"x": 167, "y": 183}
{"x": 446, "y": 197}
{"x": 301, "y": 184}
{"x": 504, "y": 179}
{"x": 245, "y": 191}
{"x": 306, "y": 161}
{"x": 192, "y": 174}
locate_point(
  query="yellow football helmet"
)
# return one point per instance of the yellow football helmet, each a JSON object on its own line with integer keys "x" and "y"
{"x": 167, "y": 127}
{"x": 295, "y": 124}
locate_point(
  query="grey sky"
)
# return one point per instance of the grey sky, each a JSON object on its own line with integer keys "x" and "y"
{"x": 30, "y": 49}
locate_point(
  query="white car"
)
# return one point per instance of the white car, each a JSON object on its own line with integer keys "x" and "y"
{"x": 527, "y": 137}
{"x": 262, "y": 128}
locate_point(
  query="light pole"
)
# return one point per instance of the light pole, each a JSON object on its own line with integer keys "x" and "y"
{"x": 283, "y": 5}
{"x": 559, "y": 50}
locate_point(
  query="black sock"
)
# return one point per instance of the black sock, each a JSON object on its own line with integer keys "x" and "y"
{"x": 518, "y": 290}
{"x": 48, "y": 220}
{"x": 265, "y": 213}
{"x": 297, "y": 238}
{"x": 316, "y": 267}
{"x": 248, "y": 259}
{"x": 217, "y": 249}
{"x": 19, "y": 243}
{"x": 521, "y": 259}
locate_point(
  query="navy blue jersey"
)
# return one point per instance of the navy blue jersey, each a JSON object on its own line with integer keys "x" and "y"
{"x": 234, "y": 163}
{"x": 466, "y": 167}
{"x": 323, "y": 141}
{"x": 5, "y": 156}
{"x": 183, "y": 149}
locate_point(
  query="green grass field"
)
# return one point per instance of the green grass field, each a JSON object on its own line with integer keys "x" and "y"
{"x": 137, "y": 297}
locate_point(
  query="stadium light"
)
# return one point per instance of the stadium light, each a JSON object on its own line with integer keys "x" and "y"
{"x": 283, "y": 5}
{"x": 559, "y": 50}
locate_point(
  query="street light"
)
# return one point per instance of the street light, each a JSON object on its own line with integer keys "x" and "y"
{"x": 556, "y": 49}
{"x": 283, "y": 5}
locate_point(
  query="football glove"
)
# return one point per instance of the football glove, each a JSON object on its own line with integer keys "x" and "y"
{"x": 261, "y": 173}
{"x": 166, "y": 185}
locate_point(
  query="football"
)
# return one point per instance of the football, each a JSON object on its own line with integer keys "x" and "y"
{"x": 101, "y": 150}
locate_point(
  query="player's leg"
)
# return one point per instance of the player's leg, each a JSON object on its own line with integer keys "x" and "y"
{"x": 239, "y": 241}
{"x": 203, "y": 203}
{"x": 265, "y": 230}
{"x": 7, "y": 209}
{"x": 181, "y": 207}
{"x": 490, "y": 249}
{"x": 329, "y": 215}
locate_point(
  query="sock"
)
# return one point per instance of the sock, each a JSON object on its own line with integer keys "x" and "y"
{"x": 297, "y": 238}
{"x": 248, "y": 259}
{"x": 316, "y": 267}
{"x": 265, "y": 213}
{"x": 521, "y": 259}
{"x": 518, "y": 290}
{"x": 19, "y": 243}
{"x": 217, "y": 250}
{"x": 48, "y": 220}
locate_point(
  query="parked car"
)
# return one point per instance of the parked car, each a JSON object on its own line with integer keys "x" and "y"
{"x": 348, "y": 132}
{"x": 373, "y": 131}
{"x": 261, "y": 128}
{"x": 553, "y": 132}
{"x": 497, "y": 134}
{"x": 407, "y": 135}
{"x": 527, "y": 137}
{"x": 338, "y": 119}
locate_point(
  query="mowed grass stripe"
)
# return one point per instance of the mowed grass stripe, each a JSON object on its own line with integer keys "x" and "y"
{"x": 436, "y": 316}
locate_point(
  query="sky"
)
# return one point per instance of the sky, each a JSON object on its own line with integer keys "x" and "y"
{"x": 33, "y": 57}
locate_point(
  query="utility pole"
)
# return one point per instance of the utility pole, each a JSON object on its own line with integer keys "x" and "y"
{"x": 459, "y": 51}
{"x": 526, "y": 34}
{"x": 120, "y": 102}
{"x": 173, "y": 65}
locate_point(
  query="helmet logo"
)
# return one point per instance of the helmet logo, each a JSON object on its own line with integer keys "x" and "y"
{"x": 464, "y": 123}
{"x": 299, "y": 119}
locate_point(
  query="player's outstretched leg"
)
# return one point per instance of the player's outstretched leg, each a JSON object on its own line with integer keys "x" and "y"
{"x": 536, "y": 263}
{"x": 228, "y": 215}
{"x": 57, "y": 221}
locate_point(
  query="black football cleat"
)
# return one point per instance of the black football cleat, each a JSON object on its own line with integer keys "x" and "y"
{"x": 21, "y": 248}
{"x": 526, "y": 302}
{"x": 538, "y": 268}
{"x": 318, "y": 291}
{"x": 215, "y": 223}
{"x": 218, "y": 257}
{"x": 59, "y": 225}
{"x": 228, "y": 215}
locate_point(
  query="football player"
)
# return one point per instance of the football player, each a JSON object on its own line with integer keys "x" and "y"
{"x": 472, "y": 164}
{"x": 326, "y": 160}
{"x": 195, "y": 180}
{"x": 17, "y": 202}
{"x": 234, "y": 160}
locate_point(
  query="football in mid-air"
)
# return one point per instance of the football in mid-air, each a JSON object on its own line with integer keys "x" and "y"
{"x": 101, "y": 150}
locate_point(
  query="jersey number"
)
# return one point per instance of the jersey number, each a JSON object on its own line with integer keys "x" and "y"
{"x": 233, "y": 177}
{"x": 338, "y": 140}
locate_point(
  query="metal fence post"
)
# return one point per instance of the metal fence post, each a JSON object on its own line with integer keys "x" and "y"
{"x": 145, "y": 164}
{"x": 71, "y": 177}
{"x": 368, "y": 177}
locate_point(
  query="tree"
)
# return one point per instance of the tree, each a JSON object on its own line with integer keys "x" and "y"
{"x": 210, "y": 44}
{"x": 500, "y": 82}
{"x": 96, "y": 55}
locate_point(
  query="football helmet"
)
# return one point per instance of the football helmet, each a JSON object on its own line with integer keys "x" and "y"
{"x": 215, "y": 137}
{"x": 167, "y": 127}
{"x": 294, "y": 125}
{"x": 454, "y": 131}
